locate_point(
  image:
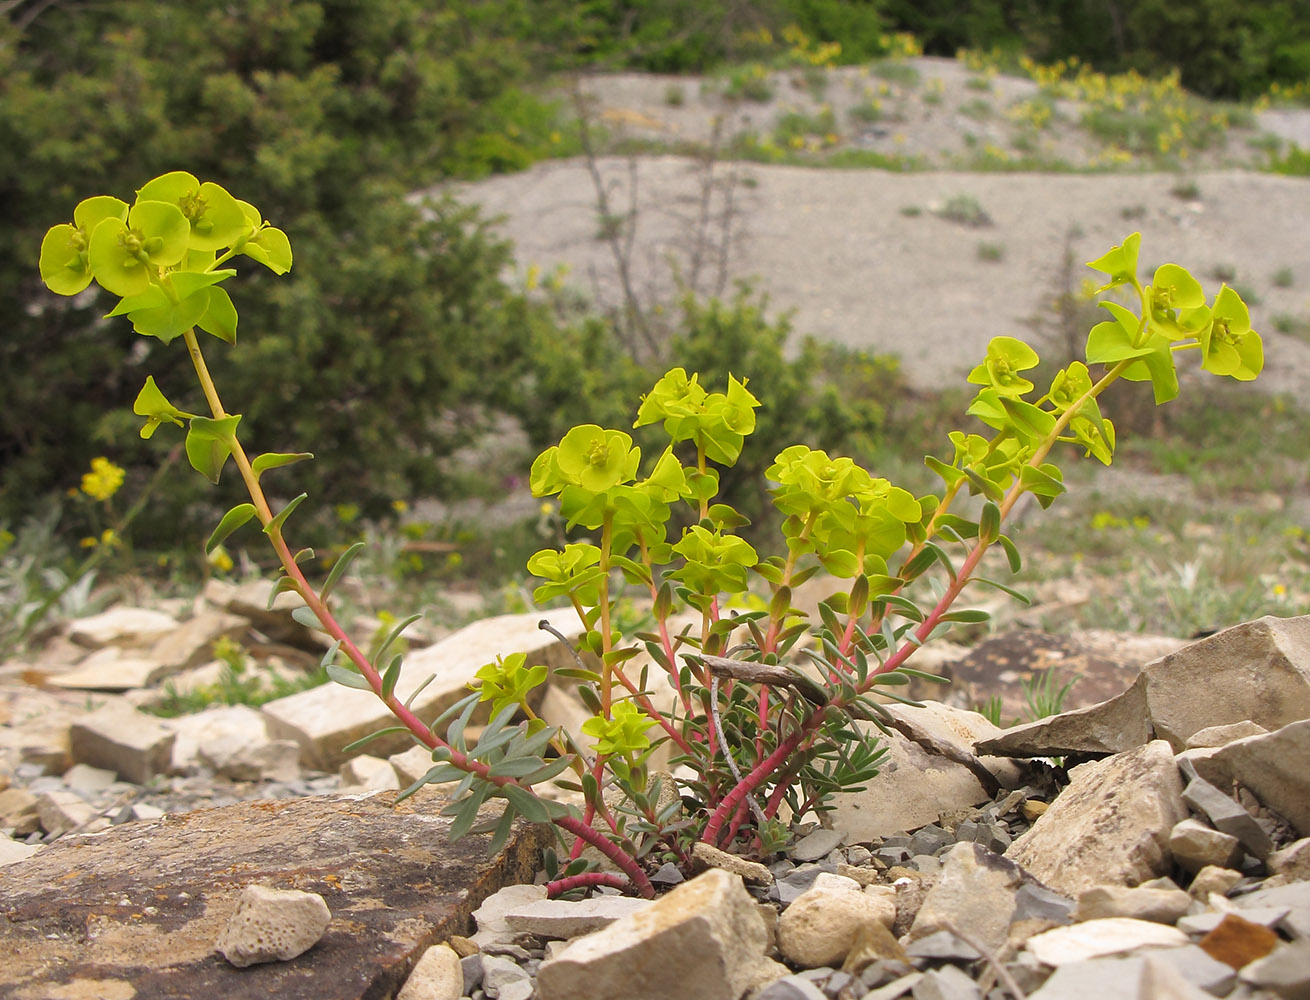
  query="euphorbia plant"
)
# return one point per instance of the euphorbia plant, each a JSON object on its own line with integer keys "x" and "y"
{"x": 759, "y": 707}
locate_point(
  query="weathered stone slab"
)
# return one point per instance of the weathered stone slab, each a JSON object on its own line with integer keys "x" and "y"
{"x": 121, "y": 739}
{"x": 1272, "y": 766}
{"x": 109, "y": 669}
{"x": 1110, "y": 826}
{"x": 1113, "y": 726}
{"x": 1261, "y": 667}
{"x": 120, "y": 625}
{"x": 325, "y": 719}
{"x": 192, "y": 643}
{"x": 136, "y": 911}
{"x": 952, "y": 733}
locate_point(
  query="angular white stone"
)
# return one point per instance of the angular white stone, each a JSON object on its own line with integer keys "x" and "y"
{"x": 325, "y": 719}
{"x": 1271, "y": 766}
{"x": 1098, "y": 938}
{"x": 217, "y": 737}
{"x": 975, "y": 892}
{"x": 273, "y": 925}
{"x": 120, "y": 625}
{"x": 192, "y": 643}
{"x": 12, "y": 852}
{"x": 61, "y": 810}
{"x": 371, "y": 773}
{"x": 1262, "y": 667}
{"x": 1195, "y": 845}
{"x": 110, "y": 669}
{"x": 87, "y": 779}
{"x": 821, "y": 924}
{"x": 490, "y": 916}
{"x": 563, "y": 919}
{"x": 119, "y": 738}
{"x": 1292, "y": 861}
{"x": 411, "y": 765}
{"x": 436, "y": 976}
{"x": 914, "y": 787}
{"x": 1164, "y": 906}
{"x": 705, "y": 938}
{"x": 1110, "y": 826}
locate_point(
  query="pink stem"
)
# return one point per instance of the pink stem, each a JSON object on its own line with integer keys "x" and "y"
{"x": 563, "y": 885}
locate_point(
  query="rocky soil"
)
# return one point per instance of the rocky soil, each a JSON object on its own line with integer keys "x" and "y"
{"x": 1157, "y": 841}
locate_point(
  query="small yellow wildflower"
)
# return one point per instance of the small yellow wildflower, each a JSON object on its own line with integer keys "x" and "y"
{"x": 220, "y": 560}
{"x": 399, "y": 506}
{"x": 1280, "y": 590}
{"x": 104, "y": 479}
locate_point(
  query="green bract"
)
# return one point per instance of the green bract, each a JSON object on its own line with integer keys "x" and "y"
{"x": 216, "y": 218}
{"x": 623, "y": 734}
{"x": 64, "y": 265}
{"x": 126, "y": 256}
{"x": 1006, "y": 357}
{"x": 1229, "y": 346}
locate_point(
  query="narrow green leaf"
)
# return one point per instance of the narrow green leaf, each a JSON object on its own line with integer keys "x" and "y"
{"x": 339, "y": 568}
{"x": 304, "y": 616}
{"x": 347, "y": 678}
{"x": 1019, "y": 596}
{"x": 971, "y": 616}
{"x": 393, "y": 635}
{"x": 515, "y": 767}
{"x": 503, "y": 829}
{"x": 263, "y": 463}
{"x": 303, "y": 555}
{"x": 1011, "y": 553}
{"x": 232, "y": 520}
{"x": 391, "y": 675}
{"x": 989, "y": 523}
{"x": 351, "y": 748}
{"x": 331, "y": 655}
{"x": 529, "y": 806}
{"x": 548, "y": 770}
{"x": 467, "y": 813}
{"x": 283, "y": 584}
{"x": 280, "y": 517}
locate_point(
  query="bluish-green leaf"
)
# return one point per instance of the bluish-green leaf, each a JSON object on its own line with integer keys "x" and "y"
{"x": 232, "y": 520}
{"x": 347, "y": 677}
{"x": 280, "y": 517}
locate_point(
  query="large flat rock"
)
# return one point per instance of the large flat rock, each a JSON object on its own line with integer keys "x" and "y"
{"x": 134, "y": 913}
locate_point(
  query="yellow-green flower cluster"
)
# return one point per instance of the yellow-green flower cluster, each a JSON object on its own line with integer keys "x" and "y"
{"x": 104, "y": 479}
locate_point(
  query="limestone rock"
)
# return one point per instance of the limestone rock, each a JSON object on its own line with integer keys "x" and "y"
{"x": 563, "y": 919}
{"x": 233, "y": 741}
{"x": 325, "y": 719}
{"x": 111, "y": 669}
{"x": 976, "y": 890}
{"x": 273, "y": 925}
{"x": 821, "y": 925}
{"x": 436, "y": 976}
{"x": 1227, "y": 816}
{"x": 952, "y": 733}
{"x": 411, "y": 765}
{"x": 1195, "y": 845}
{"x": 709, "y": 856}
{"x": 1113, "y": 726}
{"x": 121, "y": 739}
{"x": 1163, "y": 906}
{"x": 1219, "y": 736}
{"x": 12, "y": 852}
{"x": 181, "y": 875}
{"x": 1121, "y": 978}
{"x": 707, "y": 931}
{"x": 490, "y": 914}
{"x": 1285, "y": 972}
{"x": 1213, "y": 879}
{"x": 121, "y": 625}
{"x": 1272, "y": 766}
{"x": 60, "y": 810}
{"x": 192, "y": 643}
{"x": 1098, "y": 938}
{"x": 1110, "y": 826}
{"x": 1293, "y": 861}
{"x": 369, "y": 773}
{"x": 18, "y": 811}
{"x": 914, "y": 787}
{"x": 1262, "y": 668}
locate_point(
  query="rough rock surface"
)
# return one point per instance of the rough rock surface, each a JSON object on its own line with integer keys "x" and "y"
{"x": 1110, "y": 826}
{"x": 706, "y": 932}
{"x": 143, "y": 904}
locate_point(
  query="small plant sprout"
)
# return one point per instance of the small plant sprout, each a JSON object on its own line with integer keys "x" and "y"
{"x": 764, "y": 712}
